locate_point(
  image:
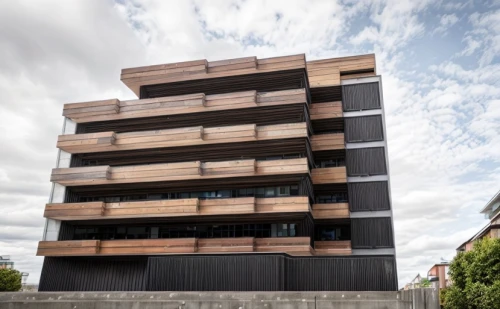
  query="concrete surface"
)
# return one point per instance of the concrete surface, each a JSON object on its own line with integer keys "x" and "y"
{"x": 416, "y": 299}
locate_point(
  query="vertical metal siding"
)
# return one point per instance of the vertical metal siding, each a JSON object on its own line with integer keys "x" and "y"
{"x": 245, "y": 272}
{"x": 216, "y": 273}
{"x": 368, "y": 196}
{"x": 93, "y": 274}
{"x": 366, "y": 161}
{"x": 361, "y": 97}
{"x": 363, "y": 129}
{"x": 371, "y": 233}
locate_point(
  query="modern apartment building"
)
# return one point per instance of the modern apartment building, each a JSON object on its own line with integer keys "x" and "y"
{"x": 492, "y": 212}
{"x": 239, "y": 175}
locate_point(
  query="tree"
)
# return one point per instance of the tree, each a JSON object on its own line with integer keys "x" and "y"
{"x": 475, "y": 277}
{"x": 10, "y": 280}
{"x": 425, "y": 283}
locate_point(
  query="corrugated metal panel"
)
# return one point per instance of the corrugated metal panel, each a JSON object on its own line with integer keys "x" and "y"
{"x": 246, "y": 272}
{"x": 360, "y": 97}
{"x": 366, "y": 161}
{"x": 341, "y": 274}
{"x": 66, "y": 232}
{"x": 93, "y": 274}
{"x": 369, "y": 196}
{"x": 216, "y": 273}
{"x": 363, "y": 129}
{"x": 368, "y": 233}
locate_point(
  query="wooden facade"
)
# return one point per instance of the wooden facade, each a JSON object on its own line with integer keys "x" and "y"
{"x": 240, "y": 157}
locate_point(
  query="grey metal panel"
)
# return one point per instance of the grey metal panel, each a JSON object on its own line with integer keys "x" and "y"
{"x": 368, "y": 196}
{"x": 366, "y": 161}
{"x": 361, "y": 97}
{"x": 363, "y": 129}
{"x": 369, "y": 233}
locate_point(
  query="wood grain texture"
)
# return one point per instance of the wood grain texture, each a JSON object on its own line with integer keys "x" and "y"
{"x": 332, "y": 141}
{"x": 330, "y": 211}
{"x": 134, "y": 78}
{"x": 327, "y": 110}
{"x": 332, "y": 247}
{"x": 192, "y": 103}
{"x": 329, "y": 175}
{"x": 190, "y": 136}
{"x": 175, "y": 208}
{"x": 329, "y": 72}
{"x": 290, "y": 245}
{"x": 194, "y": 170}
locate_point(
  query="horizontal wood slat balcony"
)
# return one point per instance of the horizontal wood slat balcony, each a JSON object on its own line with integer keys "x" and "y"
{"x": 114, "y": 109}
{"x": 290, "y": 245}
{"x": 176, "y": 208}
{"x": 329, "y": 72}
{"x": 330, "y": 211}
{"x": 327, "y": 110}
{"x": 134, "y": 78}
{"x": 333, "y": 247}
{"x": 191, "y": 136}
{"x": 195, "y": 170}
{"x": 329, "y": 175}
{"x": 332, "y": 141}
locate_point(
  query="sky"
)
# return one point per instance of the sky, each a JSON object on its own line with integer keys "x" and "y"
{"x": 439, "y": 62}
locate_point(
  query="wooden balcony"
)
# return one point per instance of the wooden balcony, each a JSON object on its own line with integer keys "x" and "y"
{"x": 195, "y": 170}
{"x": 134, "y": 78}
{"x": 329, "y": 175}
{"x": 333, "y": 141}
{"x": 191, "y": 136}
{"x": 290, "y": 245}
{"x": 330, "y": 211}
{"x": 329, "y": 110}
{"x": 175, "y": 208}
{"x": 332, "y": 247}
{"x": 115, "y": 109}
{"x": 329, "y": 72}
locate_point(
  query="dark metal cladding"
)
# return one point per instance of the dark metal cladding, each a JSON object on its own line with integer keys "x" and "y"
{"x": 363, "y": 129}
{"x": 371, "y": 233}
{"x": 326, "y": 94}
{"x": 93, "y": 274}
{"x": 255, "y": 272}
{"x": 366, "y": 161}
{"x": 262, "y": 82}
{"x": 361, "y": 97}
{"x": 368, "y": 196}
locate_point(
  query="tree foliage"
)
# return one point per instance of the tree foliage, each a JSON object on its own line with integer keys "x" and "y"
{"x": 475, "y": 278}
{"x": 425, "y": 283}
{"x": 10, "y": 280}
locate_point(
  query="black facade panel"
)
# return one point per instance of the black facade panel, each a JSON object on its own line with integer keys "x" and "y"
{"x": 363, "y": 129}
{"x": 368, "y": 196}
{"x": 366, "y": 161}
{"x": 246, "y": 272}
{"x": 341, "y": 274}
{"x": 93, "y": 274}
{"x": 361, "y": 97}
{"x": 216, "y": 273}
{"x": 371, "y": 233}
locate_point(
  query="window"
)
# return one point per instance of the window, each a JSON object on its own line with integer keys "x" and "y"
{"x": 284, "y": 191}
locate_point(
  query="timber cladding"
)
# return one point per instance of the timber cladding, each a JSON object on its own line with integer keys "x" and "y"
{"x": 190, "y": 136}
{"x": 225, "y": 175}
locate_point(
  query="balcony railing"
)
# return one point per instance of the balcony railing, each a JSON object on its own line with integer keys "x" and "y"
{"x": 114, "y": 109}
{"x": 319, "y": 111}
{"x": 176, "y": 208}
{"x": 333, "y": 141}
{"x": 329, "y": 175}
{"x": 333, "y": 247}
{"x": 191, "y": 136}
{"x": 195, "y": 170}
{"x": 330, "y": 211}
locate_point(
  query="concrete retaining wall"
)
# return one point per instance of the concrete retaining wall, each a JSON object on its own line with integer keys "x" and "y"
{"x": 415, "y": 299}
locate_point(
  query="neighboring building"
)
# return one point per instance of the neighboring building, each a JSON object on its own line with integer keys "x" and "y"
{"x": 5, "y": 262}
{"x": 438, "y": 275}
{"x": 492, "y": 229}
{"x": 242, "y": 174}
{"x": 414, "y": 284}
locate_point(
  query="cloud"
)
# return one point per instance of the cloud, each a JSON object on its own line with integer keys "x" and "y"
{"x": 442, "y": 115}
